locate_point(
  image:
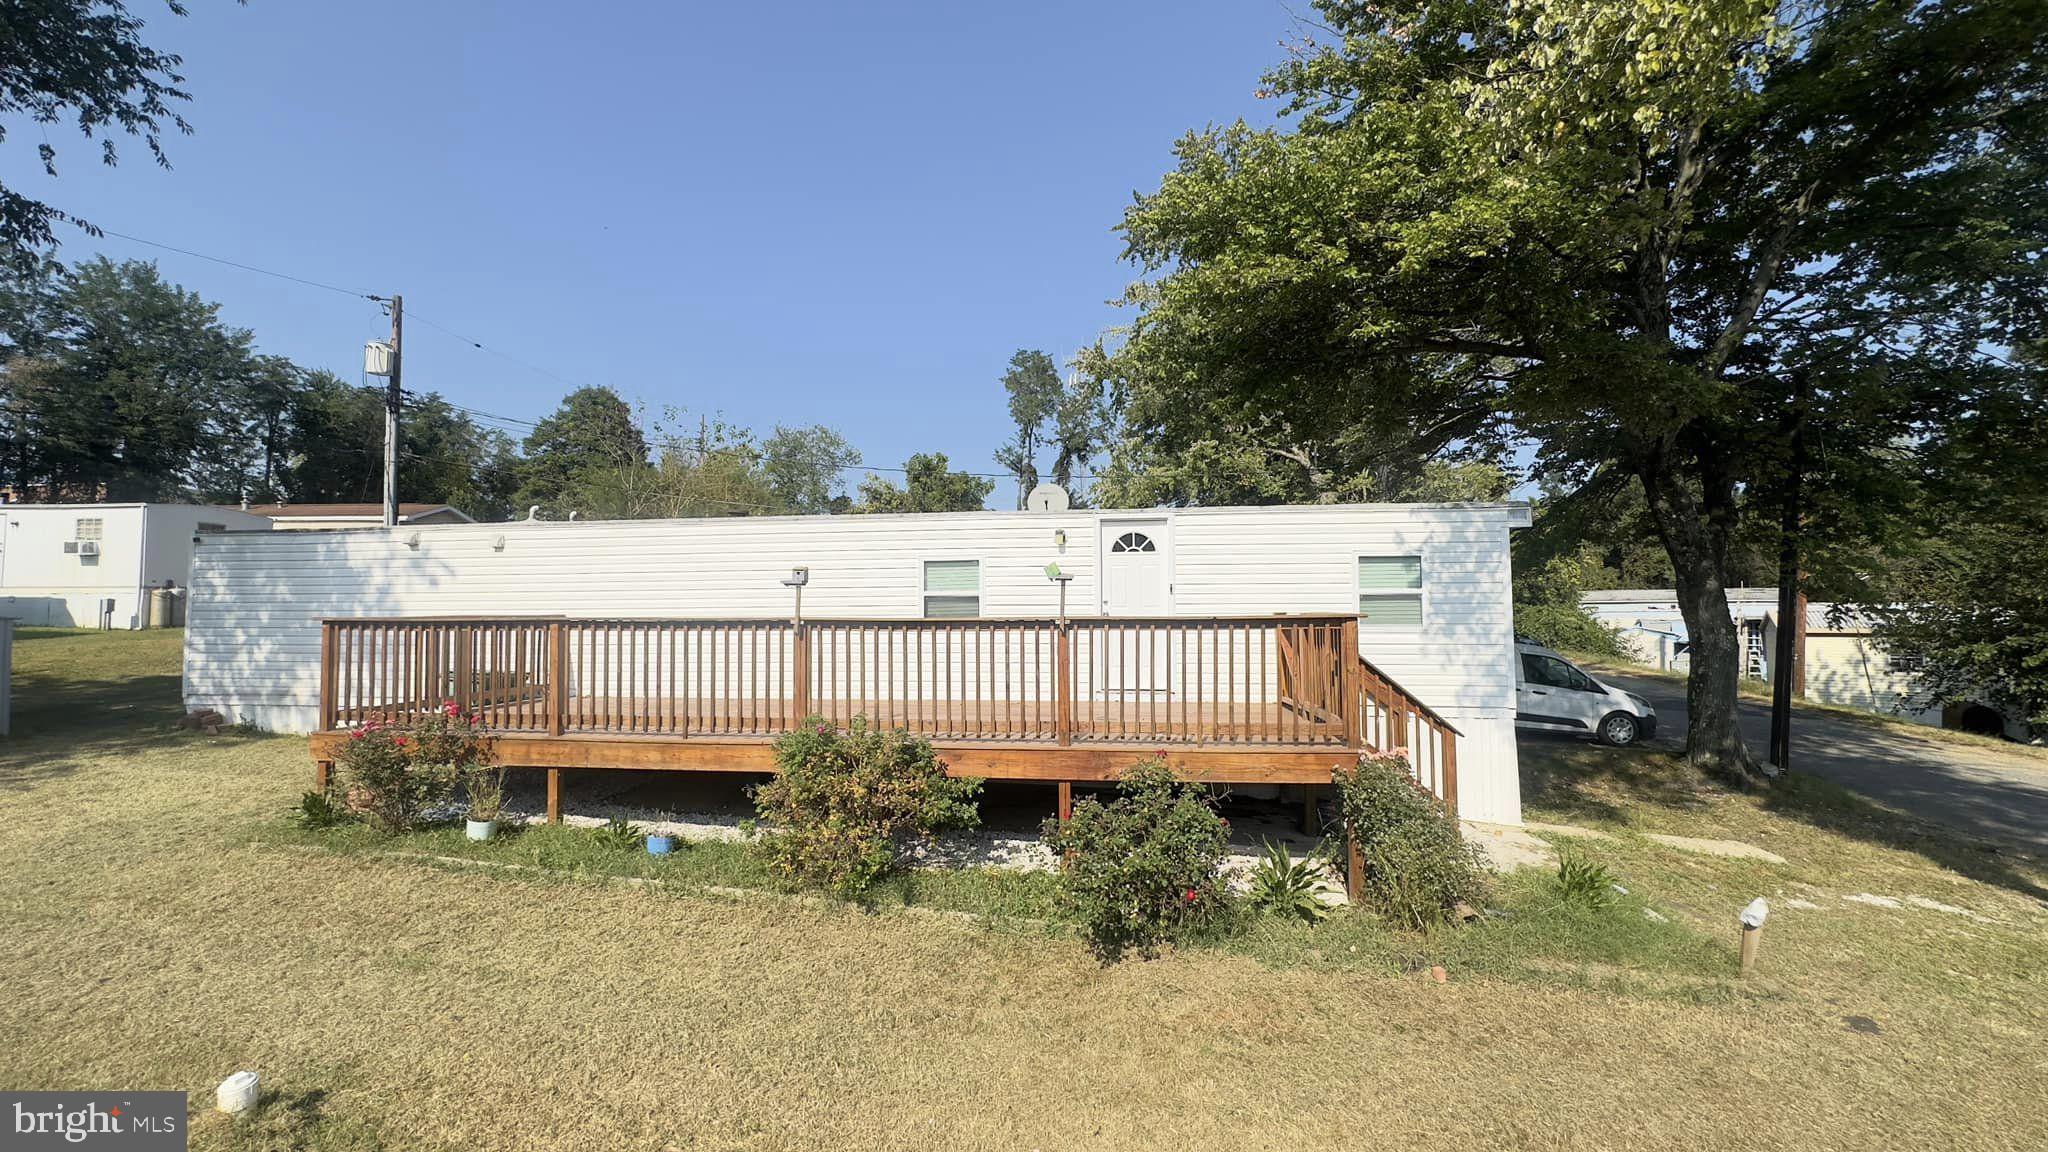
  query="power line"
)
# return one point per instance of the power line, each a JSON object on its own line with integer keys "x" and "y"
{"x": 508, "y": 358}
{"x": 244, "y": 267}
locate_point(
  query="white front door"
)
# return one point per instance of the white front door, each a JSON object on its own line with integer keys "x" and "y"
{"x": 1134, "y": 568}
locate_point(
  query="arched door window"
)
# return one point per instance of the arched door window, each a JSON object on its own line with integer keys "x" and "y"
{"x": 1133, "y": 542}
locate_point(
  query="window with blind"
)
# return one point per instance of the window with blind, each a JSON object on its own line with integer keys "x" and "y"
{"x": 1390, "y": 592}
{"x": 952, "y": 588}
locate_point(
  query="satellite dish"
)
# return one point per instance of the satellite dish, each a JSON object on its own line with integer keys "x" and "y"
{"x": 1048, "y": 498}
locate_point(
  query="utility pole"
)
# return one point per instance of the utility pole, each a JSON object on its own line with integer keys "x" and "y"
{"x": 393, "y": 397}
{"x": 1791, "y": 600}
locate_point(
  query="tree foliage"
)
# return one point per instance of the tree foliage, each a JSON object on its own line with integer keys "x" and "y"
{"x": 1068, "y": 417}
{"x": 1646, "y": 238}
{"x": 1968, "y": 598}
{"x": 929, "y": 485}
{"x": 806, "y": 469}
{"x": 583, "y": 453}
{"x": 81, "y": 60}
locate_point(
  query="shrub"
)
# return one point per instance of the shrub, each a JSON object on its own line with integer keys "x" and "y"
{"x": 1286, "y": 887}
{"x": 1582, "y": 882}
{"x": 1418, "y": 866}
{"x": 619, "y": 835}
{"x": 1144, "y": 869}
{"x": 844, "y": 804}
{"x": 485, "y": 784}
{"x": 318, "y": 810}
{"x": 1569, "y": 628}
{"x": 393, "y": 773}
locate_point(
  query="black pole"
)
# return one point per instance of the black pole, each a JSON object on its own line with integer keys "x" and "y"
{"x": 1790, "y": 605}
{"x": 394, "y": 399}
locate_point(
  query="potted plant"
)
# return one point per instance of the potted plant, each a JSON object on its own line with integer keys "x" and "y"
{"x": 486, "y": 786}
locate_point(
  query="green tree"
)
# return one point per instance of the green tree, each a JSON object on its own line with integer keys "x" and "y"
{"x": 334, "y": 450}
{"x": 1033, "y": 384}
{"x": 1651, "y": 238}
{"x": 805, "y": 469}
{"x": 1081, "y": 425}
{"x": 137, "y": 392}
{"x": 1968, "y": 596}
{"x": 929, "y": 485}
{"x": 592, "y": 438}
{"x": 82, "y": 60}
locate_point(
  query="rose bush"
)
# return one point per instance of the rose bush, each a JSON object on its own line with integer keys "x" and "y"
{"x": 392, "y": 773}
{"x": 1144, "y": 869}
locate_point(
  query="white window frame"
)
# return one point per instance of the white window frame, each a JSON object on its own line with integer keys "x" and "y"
{"x": 925, "y": 594}
{"x": 1420, "y": 593}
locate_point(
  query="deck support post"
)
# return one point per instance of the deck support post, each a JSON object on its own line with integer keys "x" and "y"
{"x": 465, "y": 668}
{"x": 323, "y": 775}
{"x": 558, "y": 677}
{"x": 1450, "y": 770}
{"x": 1349, "y": 685}
{"x": 327, "y": 712}
{"x": 800, "y": 663}
{"x": 554, "y": 795}
{"x": 1063, "y": 681}
{"x": 1066, "y": 801}
{"x": 1308, "y": 809}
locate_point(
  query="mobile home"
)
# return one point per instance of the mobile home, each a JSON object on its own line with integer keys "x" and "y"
{"x": 96, "y": 565}
{"x": 1253, "y": 645}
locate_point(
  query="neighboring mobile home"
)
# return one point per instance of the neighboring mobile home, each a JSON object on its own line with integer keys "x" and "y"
{"x": 1847, "y": 664}
{"x": 95, "y": 565}
{"x": 1653, "y": 628}
{"x": 1214, "y": 633}
{"x": 321, "y": 517}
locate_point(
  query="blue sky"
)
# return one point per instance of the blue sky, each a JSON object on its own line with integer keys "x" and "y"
{"x": 837, "y": 213}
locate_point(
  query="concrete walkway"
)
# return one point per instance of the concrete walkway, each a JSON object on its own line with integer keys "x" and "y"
{"x": 1984, "y": 792}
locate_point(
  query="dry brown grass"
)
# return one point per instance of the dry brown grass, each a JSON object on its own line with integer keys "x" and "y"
{"x": 155, "y": 939}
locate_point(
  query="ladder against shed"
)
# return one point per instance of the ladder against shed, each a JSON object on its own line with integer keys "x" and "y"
{"x": 1229, "y": 700}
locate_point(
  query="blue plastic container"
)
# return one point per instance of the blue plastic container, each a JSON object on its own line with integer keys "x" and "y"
{"x": 660, "y": 845}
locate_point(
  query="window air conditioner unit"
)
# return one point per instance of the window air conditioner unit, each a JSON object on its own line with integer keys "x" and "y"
{"x": 88, "y": 547}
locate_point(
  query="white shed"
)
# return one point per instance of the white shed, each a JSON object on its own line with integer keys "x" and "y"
{"x": 1428, "y": 584}
{"x": 92, "y": 565}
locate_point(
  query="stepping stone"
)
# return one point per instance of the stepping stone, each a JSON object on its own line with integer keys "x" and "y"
{"x": 1731, "y": 848}
{"x": 1566, "y": 830}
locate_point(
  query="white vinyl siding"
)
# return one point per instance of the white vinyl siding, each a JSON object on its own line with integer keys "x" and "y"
{"x": 952, "y": 588}
{"x": 1390, "y": 592}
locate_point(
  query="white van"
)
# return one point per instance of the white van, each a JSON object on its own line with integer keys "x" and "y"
{"x": 1555, "y": 695}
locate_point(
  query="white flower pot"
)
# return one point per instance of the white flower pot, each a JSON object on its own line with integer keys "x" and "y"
{"x": 482, "y": 829}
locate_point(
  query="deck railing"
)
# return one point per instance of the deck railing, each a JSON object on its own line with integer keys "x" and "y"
{"x": 1289, "y": 681}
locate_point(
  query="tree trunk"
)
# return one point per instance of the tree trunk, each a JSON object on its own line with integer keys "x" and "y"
{"x": 1713, "y": 738}
{"x": 1696, "y": 541}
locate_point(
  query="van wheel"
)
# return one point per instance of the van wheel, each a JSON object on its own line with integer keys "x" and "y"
{"x": 1619, "y": 729}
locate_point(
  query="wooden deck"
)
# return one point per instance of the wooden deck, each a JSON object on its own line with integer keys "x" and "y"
{"x": 1278, "y": 700}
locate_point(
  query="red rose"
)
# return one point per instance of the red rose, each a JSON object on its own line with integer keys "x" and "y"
{"x": 1191, "y": 895}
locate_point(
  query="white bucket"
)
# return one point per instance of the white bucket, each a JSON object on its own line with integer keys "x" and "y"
{"x": 482, "y": 829}
{"x": 237, "y": 1093}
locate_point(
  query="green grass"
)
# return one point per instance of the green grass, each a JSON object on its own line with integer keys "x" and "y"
{"x": 566, "y": 852}
{"x": 166, "y": 926}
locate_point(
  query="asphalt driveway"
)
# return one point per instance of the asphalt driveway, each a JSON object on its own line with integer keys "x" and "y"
{"x": 1985, "y": 792}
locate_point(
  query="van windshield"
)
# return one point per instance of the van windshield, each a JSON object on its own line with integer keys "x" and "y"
{"x": 1552, "y": 672}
